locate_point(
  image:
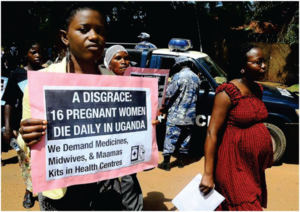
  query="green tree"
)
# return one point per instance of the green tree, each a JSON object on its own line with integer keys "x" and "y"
{"x": 284, "y": 14}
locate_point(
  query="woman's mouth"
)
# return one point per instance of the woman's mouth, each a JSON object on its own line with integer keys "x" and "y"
{"x": 123, "y": 66}
{"x": 93, "y": 48}
{"x": 262, "y": 75}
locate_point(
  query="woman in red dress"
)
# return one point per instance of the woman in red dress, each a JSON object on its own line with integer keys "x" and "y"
{"x": 238, "y": 146}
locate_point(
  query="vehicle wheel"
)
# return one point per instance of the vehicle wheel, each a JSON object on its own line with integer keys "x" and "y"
{"x": 278, "y": 140}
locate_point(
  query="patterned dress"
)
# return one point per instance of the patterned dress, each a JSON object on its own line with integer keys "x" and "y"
{"x": 244, "y": 152}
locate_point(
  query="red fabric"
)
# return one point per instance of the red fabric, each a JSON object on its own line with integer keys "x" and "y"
{"x": 244, "y": 152}
{"x": 245, "y": 206}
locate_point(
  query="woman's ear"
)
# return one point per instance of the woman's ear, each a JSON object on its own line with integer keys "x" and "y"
{"x": 64, "y": 37}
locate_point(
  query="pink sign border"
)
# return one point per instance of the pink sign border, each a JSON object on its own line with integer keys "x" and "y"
{"x": 36, "y": 82}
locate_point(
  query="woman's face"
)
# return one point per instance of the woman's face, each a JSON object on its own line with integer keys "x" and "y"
{"x": 119, "y": 63}
{"x": 34, "y": 56}
{"x": 86, "y": 35}
{"x": 255, "y": 68}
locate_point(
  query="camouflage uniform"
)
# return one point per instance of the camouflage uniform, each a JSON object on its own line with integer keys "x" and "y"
{"x": 181, "y": 98}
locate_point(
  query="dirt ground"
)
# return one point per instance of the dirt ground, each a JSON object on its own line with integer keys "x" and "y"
{"x": 160, "y": 187}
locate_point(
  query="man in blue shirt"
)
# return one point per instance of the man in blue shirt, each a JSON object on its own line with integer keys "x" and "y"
{"x": 144, "y": 44}
{"x": 181, "y": 99}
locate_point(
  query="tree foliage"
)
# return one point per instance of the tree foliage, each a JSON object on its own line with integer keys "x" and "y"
{"x": 207, "y": 24}
{"x": 284, "y": 14}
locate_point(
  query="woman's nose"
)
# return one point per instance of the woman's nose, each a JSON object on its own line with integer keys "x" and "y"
{"x": 93, "y": 35}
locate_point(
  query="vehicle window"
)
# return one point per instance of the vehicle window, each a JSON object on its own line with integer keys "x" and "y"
{"x": 168, "y": 63}
{"x": 215, "y": 71}
{"x": 135, "y": 56}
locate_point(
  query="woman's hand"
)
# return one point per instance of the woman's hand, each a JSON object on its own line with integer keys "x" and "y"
{"x": 32, "y": 130}
{"x": 206, "y": 184}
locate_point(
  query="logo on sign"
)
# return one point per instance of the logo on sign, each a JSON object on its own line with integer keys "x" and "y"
{"x": 134, "y": 153}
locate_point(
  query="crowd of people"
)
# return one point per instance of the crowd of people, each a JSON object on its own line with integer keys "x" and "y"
{"x": 238, "y": 147}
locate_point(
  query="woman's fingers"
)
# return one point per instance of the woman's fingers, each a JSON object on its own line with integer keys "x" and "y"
{"x": 31, "y": 121}
{"x": 32, "y": 125}
{"x": 205, "y": 189}
{"x": 29, "y": 137}
{"x": 32, "y": 143}
{"x": 30, "y": 129}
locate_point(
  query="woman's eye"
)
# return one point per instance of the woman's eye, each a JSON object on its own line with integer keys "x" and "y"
{"x": 100, "y": 31}
{"x": 83, "y": 30}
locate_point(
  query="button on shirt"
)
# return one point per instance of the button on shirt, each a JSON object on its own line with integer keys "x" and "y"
{"x": 181, "y": 97}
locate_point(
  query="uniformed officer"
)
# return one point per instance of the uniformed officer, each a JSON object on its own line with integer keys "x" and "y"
{"x": 180, "y": 104}
{"x": 144, "y": 44}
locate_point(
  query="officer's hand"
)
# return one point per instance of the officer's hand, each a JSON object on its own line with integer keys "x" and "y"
{"x": 155, "y": 122}
{"x": 32, "y": 130}
{"x": 163, "y": 109}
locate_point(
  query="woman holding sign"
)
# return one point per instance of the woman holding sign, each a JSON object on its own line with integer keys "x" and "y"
{"x": 117, "y": 61}
{"x": 83, "y": 33}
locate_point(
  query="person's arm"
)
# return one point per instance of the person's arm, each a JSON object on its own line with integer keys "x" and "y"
{"x": 8, "y": 133}
{"x": 221, "y": 108}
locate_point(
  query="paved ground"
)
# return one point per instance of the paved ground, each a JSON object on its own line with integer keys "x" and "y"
{"x": 160, "y": 187}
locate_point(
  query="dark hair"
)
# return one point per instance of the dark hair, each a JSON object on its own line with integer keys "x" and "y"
{"x": 73, "y": 9}
{"x": 29, "y": 43}
{"x": 238, "y": 59}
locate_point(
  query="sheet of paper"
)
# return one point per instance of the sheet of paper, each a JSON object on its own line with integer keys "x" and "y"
{"x": 191, "y": 199}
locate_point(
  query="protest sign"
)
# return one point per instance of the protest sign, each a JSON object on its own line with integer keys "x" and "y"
{"x": 4, "y": 81}
{"x": 161, "y": 74}
{"x": 99, "y": 127}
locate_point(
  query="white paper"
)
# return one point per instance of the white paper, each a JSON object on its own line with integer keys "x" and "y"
{"x": 192, "y": 199}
